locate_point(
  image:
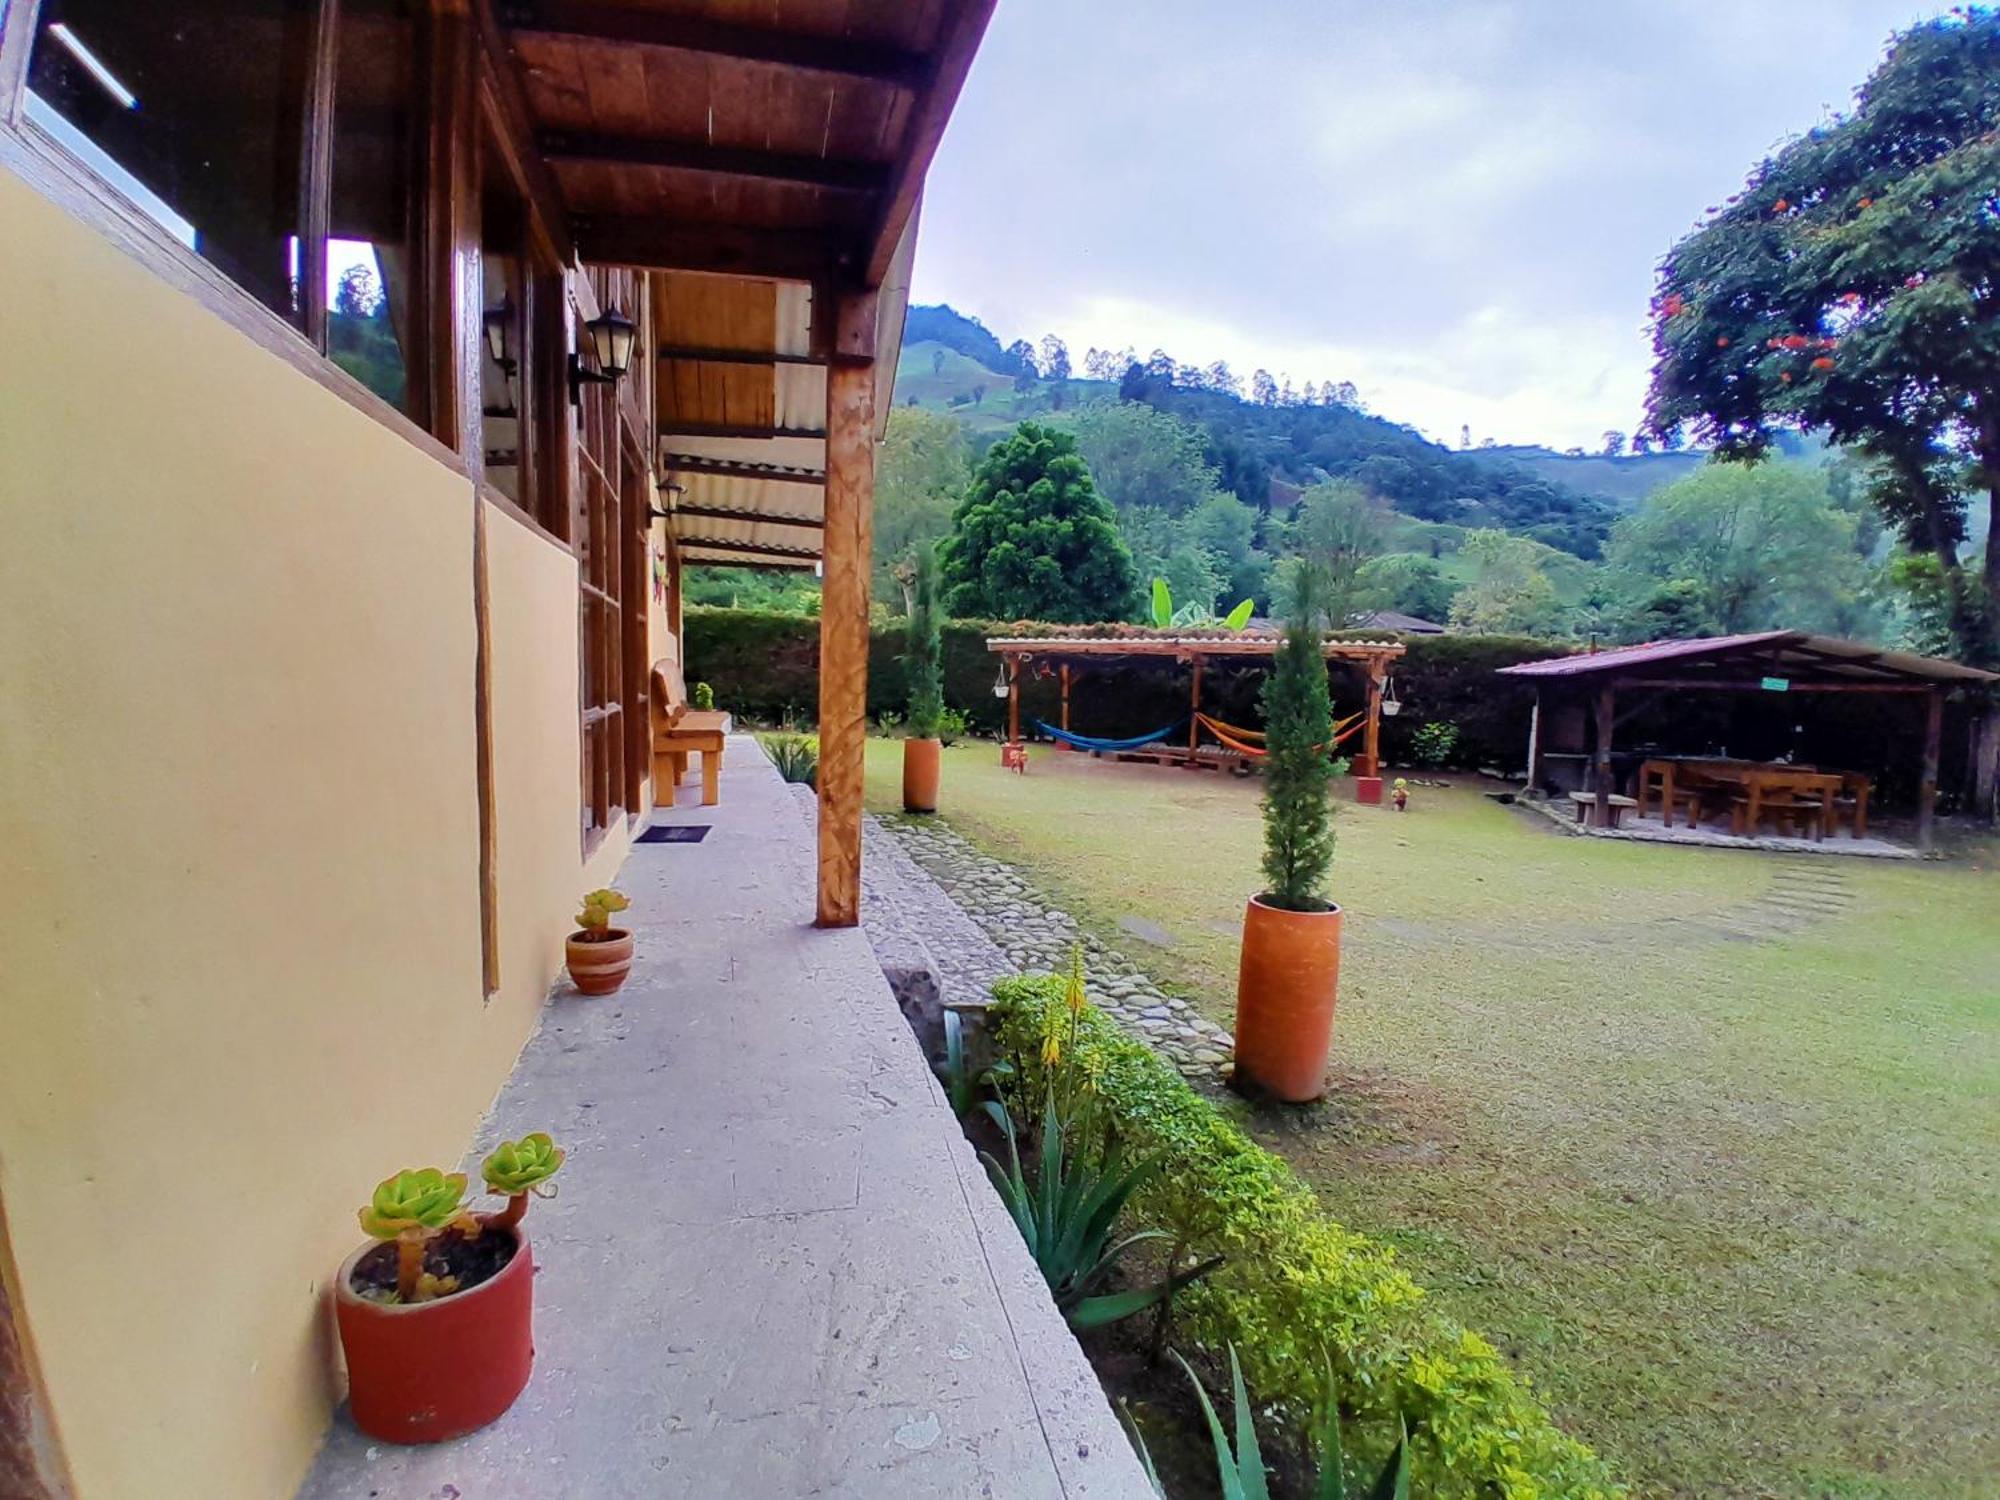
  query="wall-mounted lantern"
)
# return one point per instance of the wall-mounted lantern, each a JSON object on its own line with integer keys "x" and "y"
{"x": 612, "y": 335}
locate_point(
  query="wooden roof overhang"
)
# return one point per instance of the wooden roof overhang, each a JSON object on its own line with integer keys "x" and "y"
{"x": 1185, "y": 646}
{"x": 761, "y": 162}
{"x": 1755, "y": 663}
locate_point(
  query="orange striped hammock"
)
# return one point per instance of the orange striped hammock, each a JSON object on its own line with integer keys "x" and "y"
{"x": 1251, "y": 741}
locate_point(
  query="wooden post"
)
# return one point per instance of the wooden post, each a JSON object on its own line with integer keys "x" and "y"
{"x": 1535, "y": 741}
{"x": 1194, "y": 707}
{"x": 1063, "y": 676}
{"x": 1606, "y": 704}
{"x": 1370, "y": 762}
{"x": 1013, "y": 700}
{"x": 843, "y": 614}
{"x": 1927, "y": 785}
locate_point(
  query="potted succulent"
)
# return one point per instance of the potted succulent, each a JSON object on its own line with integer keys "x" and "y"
{"x": 704, "y": 697}
{"x": 600, "y": 955}
{"x": 1289, "y": 974}
{"x": 922, "y": 749}
{"x": 436, "y": 1314}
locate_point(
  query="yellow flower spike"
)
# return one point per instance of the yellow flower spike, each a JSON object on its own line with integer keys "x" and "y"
{"x": 1074, "y": 995}
{"x": 1051, "y": 1050}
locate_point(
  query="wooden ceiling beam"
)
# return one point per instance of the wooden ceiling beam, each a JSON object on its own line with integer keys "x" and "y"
{"x": 723, "y": 468}
{"x": 958, "y": 43}
{"x": 694, "y": 354}
{"x": 753, "y": 517}
{"x": 674, "y": 427}
{"x": 800, "y": 565}
{"x": 830, "y": 173}
{"x": 581, "y": 21}
{"x": 749, "y": 549}
{"x": 655, "y": 244}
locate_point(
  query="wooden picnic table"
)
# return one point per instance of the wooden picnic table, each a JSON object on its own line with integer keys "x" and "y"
{"x": 1756, "y": 783}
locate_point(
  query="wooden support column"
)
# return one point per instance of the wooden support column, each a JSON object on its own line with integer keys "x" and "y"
{"x": 1194, "y": 707}
{"x": 1013, "y": 700}
{"x": 1370, "y": 761}
{"x": 1606, "y": 717}
{"x": 843, "y": 612}
{"x": 1063, "y": 676}
{"x": 1535, "y": 741}
{"x": 1927, "y": 784}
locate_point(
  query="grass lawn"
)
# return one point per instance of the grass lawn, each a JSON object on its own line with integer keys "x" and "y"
{"x": 1705, "y": 1140}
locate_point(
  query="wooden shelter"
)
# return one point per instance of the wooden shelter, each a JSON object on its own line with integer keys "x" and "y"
{"x": 1194, "y": 649}
{"x": 1771, "y": 661}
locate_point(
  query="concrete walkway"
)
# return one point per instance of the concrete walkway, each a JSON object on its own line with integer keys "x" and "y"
{"x": 775, "y": 1268}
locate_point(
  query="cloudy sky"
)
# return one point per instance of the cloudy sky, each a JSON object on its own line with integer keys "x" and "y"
{"x": 1456, "y": 204}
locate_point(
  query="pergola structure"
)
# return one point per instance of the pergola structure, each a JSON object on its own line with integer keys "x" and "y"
{"x": 1194, "y": 649}
{"x": 762, "y": 165}
{"x": 1770, "y": 661}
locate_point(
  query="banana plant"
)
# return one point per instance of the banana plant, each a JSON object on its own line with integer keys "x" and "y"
{"x": 1193, "y": 615}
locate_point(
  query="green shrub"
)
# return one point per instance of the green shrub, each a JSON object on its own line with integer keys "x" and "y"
{"x": 795, "y": 755}
{"x": 922, "y": 658}
{"x": 1297, "y": 1287}
{"x": 1434, "y": 742}
{"x": 1298, "y": 719}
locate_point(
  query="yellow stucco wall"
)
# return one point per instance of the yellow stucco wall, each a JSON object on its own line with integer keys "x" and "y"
{"x": 239, "y": 966}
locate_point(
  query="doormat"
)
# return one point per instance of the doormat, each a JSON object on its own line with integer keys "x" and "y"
{"x": 675, "y": 833}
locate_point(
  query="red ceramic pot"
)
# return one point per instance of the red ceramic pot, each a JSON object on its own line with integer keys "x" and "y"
{"x": 428, "y": 1371}
{"x": 597, "y": 966}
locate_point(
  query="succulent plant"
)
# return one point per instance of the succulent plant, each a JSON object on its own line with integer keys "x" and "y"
{"x": 514, "y": 1167}
{"x": 598, "y": 907}
{"x": 416, "y": 1198}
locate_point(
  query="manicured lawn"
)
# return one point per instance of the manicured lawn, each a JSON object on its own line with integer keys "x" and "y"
{"x": 1706, "y": 1140}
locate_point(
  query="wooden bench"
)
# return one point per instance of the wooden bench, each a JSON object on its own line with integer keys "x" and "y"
{"x": 1803, "y": 817}
{"x": 679, "y": 731}
{"x": 1586, "y": 806}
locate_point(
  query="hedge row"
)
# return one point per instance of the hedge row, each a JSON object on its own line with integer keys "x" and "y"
{"x": 766, "y": 666}
{"x": 1297, "y": 1287}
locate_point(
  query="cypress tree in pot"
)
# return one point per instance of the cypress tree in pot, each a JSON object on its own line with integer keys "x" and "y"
{"x": 1289, "y": 974}
{"x": 922, "y": 662}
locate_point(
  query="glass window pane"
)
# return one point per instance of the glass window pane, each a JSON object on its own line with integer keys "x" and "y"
{"x": 196, "y": 111}
{"x": 370, "y": 269}
{"x": 503, "y": 234}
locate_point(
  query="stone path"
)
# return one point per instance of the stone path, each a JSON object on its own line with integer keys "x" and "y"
{"x": 1033, "y": 936}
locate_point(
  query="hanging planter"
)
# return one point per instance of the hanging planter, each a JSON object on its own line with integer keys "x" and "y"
{"x": 1390, "y": 705}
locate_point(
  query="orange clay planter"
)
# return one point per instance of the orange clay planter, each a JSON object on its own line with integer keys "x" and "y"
{"x": 1286, "y": 986}
{"x": 436, "y": 1316}
{"x": 599, "y": 955}
{"x": 428, "y": 1371}
{"x": 921, "y": 764}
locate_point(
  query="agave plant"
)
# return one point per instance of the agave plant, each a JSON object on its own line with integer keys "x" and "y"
{"x": 962, "y": 1086}
{"x": 1240, "y": 1464}
{"x": 1195, "y": 615}
{"x": 795, "y": 755}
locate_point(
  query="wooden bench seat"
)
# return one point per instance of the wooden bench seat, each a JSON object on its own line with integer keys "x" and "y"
{"x": 1804, "y": 817}
{"x": 1586, "y": 805}
{"x": 679, "y": 732}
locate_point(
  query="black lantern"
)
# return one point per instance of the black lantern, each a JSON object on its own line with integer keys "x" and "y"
{"x": 497, "y": 321}
{"x": 612, "y": 335}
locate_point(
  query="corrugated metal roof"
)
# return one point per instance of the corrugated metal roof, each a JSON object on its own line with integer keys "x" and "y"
{"x": 1135, "y": 640}
{"x": 1803, "y": 656}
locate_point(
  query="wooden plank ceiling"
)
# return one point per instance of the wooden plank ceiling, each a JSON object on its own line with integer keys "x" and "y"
{"x": 754, "y": 155}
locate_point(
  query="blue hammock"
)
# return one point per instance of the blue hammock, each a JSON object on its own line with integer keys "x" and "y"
{"x": 1085, "y": 742}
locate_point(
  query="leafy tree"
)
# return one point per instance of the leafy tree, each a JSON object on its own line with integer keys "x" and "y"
{"x": 1763, "y": 549}
{"x": 921, "y": 471}
{"x": 1511, "y": 592}
{"x": 1141, "y": 456}
{"x": 1409, "y": 584}
{"x": 1338, "y": 528}
{"x": 1034, "y": 540}
{"x": 1614, "y": 443}
{"x": 1020, "y": 360}
{"x": 1852, "y": 289}
{"x": 1226, "y": 529}
{"x": 1298, "y": 727}
{"x": 1263, "y": 389}
{"x": 1054, "y": 358}
{"x": 923, "y": 651}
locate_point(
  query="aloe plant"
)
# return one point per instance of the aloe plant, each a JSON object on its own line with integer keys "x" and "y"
{"x": 962, "y": 1086}
{"x": 598, "y": 909}
{"x": 417, "y": 1205}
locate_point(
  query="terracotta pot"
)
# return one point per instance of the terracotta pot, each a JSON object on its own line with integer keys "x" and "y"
{"x": 920, "y": 774}
{"x": 428, "y": 1371}
{"x": 1286, "y": 986}
{"x": 598, "y": 967}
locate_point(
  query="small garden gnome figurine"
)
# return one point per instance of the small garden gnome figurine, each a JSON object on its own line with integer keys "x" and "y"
{"x": 1401, "y": 793}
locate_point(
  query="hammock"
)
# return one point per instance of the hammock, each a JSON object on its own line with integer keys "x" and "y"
{"x": 1085, "y": 742}
{"x": 1250, "y": 741}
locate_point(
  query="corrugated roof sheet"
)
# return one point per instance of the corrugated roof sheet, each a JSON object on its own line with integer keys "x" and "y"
{"x": 1806, "y": 655}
